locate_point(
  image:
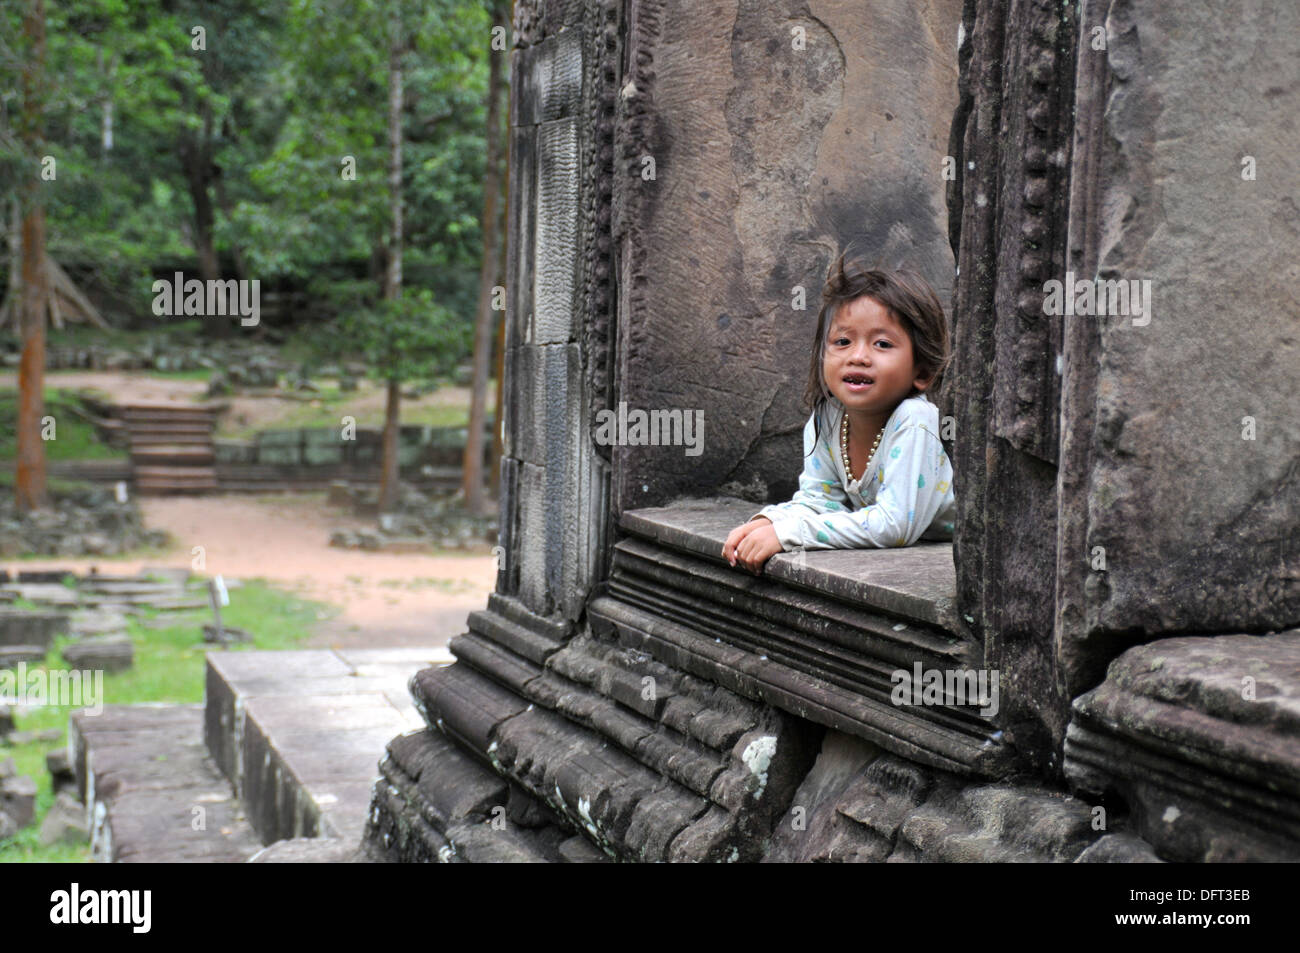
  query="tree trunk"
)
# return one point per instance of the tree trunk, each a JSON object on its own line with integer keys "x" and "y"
{"x": 472, "y": 468}
{"x": 29, "y": 478}
{"x": 393, "y": 273}
{"x": 227, "y": 209}
{"x": 392, "y": 424}
{"x": 196, "y": 160}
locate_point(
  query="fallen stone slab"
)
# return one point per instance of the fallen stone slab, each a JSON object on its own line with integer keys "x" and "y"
{"x": 97, "y": 622}
{"x": 31, "y": 626}
{"x": 47, "y": 593}
{"x": 93, "y": 578}
{"x": 65, "y": 823}
{"x": 129, "y": 602}
{"x": 153, "y": 793}
{"x": 11, "y": 655}
{"x": 43, "y": 576}
{"x": 226, "y": 635}
{"x": 109, "y": 653}
{"x": 131, "y": 588}
{"x": 176, "y": 604}
{"x": 100, "y": 602}
{"x": 18, "y": 797}
{"x": 7, "y": 826}
{"x": 16, "y": 738}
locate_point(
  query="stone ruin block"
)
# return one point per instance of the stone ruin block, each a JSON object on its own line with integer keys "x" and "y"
{"x": 671, "y": 283}
{"x": 1200, "y": 736}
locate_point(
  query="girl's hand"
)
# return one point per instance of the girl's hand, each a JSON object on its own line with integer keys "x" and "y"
{"x": 752, "y": 545}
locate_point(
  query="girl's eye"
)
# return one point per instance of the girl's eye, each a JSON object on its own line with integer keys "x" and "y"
{"x": 885, "y": 343}
{"x": 840, "y": 342}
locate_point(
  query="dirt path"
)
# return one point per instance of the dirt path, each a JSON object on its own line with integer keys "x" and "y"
{"x": 386, "y": 599}
{"x": 126, "y": 387}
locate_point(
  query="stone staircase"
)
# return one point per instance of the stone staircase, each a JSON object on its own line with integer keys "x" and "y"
{"x": 282, "y": 753}
{"x": 171, "y": 447}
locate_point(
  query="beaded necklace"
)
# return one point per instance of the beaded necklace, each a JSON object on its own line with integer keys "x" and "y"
{"x": 844, "y": 448}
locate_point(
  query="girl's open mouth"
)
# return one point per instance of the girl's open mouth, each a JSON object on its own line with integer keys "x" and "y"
{"x": 857, "y": 382}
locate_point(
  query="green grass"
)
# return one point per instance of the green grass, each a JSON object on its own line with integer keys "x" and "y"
{"x": 194, "y": 374}
{"x": 57, "y": 486}
{"x": 169, "y": 667}
{"x": 74, "y": 437}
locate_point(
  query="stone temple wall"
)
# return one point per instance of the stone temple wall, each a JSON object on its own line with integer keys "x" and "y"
{"x": 777, "y": 139}
{"x": 1125, "y": 557}
{"x": 1182, "y": 458}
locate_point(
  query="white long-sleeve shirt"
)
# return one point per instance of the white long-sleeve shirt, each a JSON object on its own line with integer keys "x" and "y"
{"x": 905, "y": 494}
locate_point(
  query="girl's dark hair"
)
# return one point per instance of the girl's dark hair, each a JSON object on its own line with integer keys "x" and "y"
{"x": 905, "y": 295}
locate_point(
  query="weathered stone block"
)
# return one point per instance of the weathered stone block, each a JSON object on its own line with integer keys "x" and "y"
{"x": 1199, "y": 736}
{"x": 108, "y": 653}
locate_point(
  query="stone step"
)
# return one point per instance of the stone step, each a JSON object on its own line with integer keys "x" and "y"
{"x": 171, "y": 433}
{"x": 152, "y": 793}
{"x": 300, "y": 733}
{"x": 128, "y": 587}
{"x": 638, "y": 788}
{"x": 161, "y": 474}
{"x": 11, "y": 655}
{"x": 146, "y": 413}
{"x": 437, "y": 803}
{"x": 172, "y": 454}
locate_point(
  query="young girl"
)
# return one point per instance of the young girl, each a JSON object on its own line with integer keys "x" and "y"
{"x": 875, "y": 472}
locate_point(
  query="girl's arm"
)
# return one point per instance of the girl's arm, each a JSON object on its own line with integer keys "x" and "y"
{"x": 819, "y": 490}
{"x": 915, "y": 479}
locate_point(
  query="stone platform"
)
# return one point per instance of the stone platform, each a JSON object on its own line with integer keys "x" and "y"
{"x": 284, "y": 753}
{"x": 152, "y": 793}
{"x": 299, "y": 733}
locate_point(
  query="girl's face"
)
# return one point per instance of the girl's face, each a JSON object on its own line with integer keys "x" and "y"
{"x": 868, "y": 363}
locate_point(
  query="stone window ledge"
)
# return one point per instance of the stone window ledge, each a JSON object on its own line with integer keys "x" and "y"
{"x": 821, "y": 634}
{"x": 916, "y": 582}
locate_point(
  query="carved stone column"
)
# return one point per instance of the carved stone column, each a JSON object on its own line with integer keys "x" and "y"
{"x": 1007, "y": 208}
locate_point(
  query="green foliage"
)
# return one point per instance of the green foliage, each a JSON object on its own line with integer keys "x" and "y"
{"x": 410, "y": 337}
{"x": 283, "y": 92}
